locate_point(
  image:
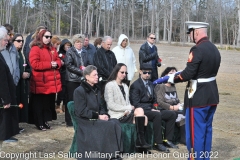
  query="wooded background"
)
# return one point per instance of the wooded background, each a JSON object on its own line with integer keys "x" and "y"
{"x": 135, "y": 18}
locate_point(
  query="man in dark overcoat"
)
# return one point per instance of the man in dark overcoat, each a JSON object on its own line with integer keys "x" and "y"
{"x": 104, "y": 59}
{"x": 148, "y": 54}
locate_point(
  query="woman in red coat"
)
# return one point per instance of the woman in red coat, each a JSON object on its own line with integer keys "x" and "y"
{"x": 45, "y": 81}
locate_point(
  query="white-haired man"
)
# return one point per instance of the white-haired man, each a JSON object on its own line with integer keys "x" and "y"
{"x": 105, "y": 61}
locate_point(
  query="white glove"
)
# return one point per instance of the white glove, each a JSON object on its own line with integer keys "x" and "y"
{"x": 171, "y": 78}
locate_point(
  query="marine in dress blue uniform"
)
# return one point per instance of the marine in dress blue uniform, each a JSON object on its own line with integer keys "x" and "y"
{"x": 201, "y": 99}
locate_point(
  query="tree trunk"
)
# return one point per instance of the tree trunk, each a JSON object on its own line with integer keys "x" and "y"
{"x": 104, "y": 19}
{"x": 56, "y": 17}
{"x": 238, "y": 37}
{"x": 113, "y": 19}
{"x": 99, "y": 18}
{"x": 91, "y": 24}
{"x": 143, "y": 15}
{"x": 132, "y": 19}
{"x": 153, "y": 13}
{"x": 147, "y": 16}
{"x": 108, "y": 18}
{"x": 25, "y": 24}
{"x": 81, "y": 4}
{"x": 59, "y": 21}
{"x": 120, "y": 19}
{"x": 157, "y": 21}
{"x": 165, "y": 21}
{"x": 128, "y": 21}
{"x": 87, "y": 18}
{"x": 71, "y": 19}
{"x": 220, "y": 22}
{"x": 170, "y": 26}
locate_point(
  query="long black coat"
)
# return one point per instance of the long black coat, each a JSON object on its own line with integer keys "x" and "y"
{"x": 105, "y": 61}
{"x": 8, "y": 117}
{"x": 94, "y": 135}
{"x": 23, "y": 90}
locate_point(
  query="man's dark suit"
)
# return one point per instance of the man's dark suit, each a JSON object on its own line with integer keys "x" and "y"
{"x": 140, "y": 98}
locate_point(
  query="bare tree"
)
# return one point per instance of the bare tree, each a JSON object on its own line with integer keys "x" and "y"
{"x": 165, "y": 20}
{"x": 99, "y": 18}
{"x": 87, "y": 19}
{"x": 143, "y": 15}
{"x": 170, "y": 21}
{"x": 238, "y": 8}
{"x": 104, "y": 19}
{"x": 157, "y": 20}
{"x": 132, "y": 10}
{"x": 59, "y": 20}
{"x": 24, "y": 28}
{"x": 71, "y": 18}
{"x": 153, "y": 16}
{"x": 220, "y": 23}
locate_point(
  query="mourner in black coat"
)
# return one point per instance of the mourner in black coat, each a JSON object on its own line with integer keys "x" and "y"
{"x": 104, "y": 59}
{"x": 75, "y": 61}
{"x": 96, "y": 133}
{"x": 148, "y": 54}
{"x": 8, "y": 116}
{"x": 142, "y": 95}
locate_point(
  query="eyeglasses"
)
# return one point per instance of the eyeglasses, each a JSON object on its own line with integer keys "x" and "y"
{"x": 48, "y": 37}
{"x": 123, "y": 72}
{"x": 145, "y": 72}
{"x": 152, "y": 38}
{"x": 19, "y": 41}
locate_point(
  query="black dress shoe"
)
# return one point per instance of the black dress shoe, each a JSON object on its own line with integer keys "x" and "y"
{"x": 41, "y": 128}
{"x": 46, "y": 125}
{"x": 162, "y": 148}
{"x": 169, "y": 144}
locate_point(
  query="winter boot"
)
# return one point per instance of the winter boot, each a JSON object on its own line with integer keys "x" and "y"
{"x": 140, "y": 141}
{"x": 183, "y": 134}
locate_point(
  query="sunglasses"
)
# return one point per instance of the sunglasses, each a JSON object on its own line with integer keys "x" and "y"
{"x": 19, "y": 41}
{"x": 145, "y": 72}
{"x": 48, "y": 37}
{"x": 124, "y": 72}
{"x": 152, "y": 38}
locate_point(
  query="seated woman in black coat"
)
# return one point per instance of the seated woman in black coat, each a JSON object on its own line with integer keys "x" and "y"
{"x": 95, "y": 132}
